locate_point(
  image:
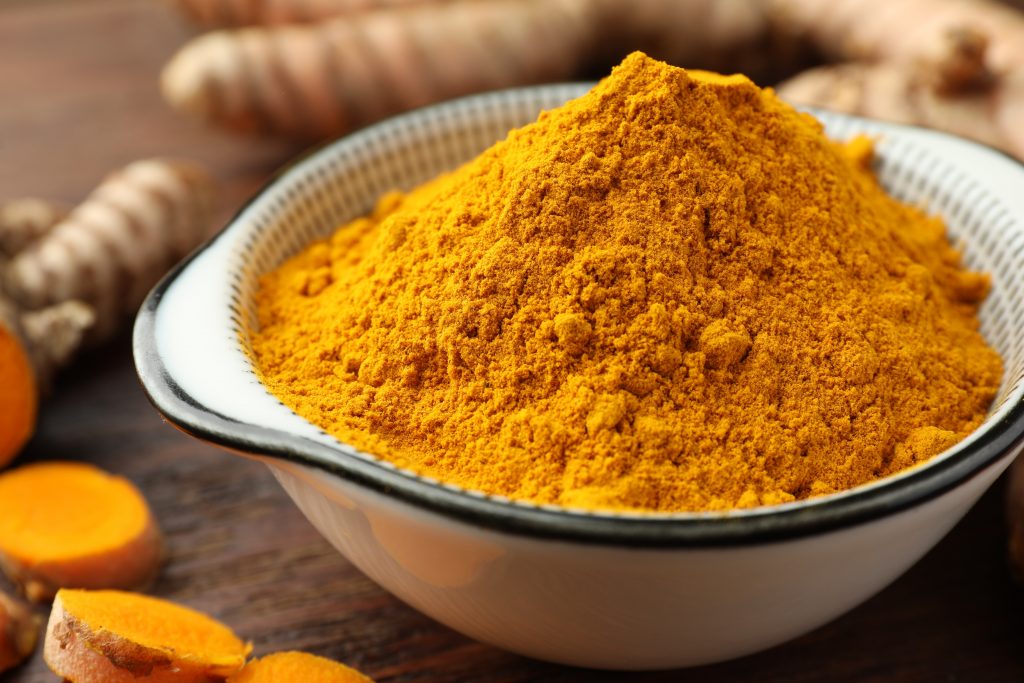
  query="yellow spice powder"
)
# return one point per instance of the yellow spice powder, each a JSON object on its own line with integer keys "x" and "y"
{"x": 673, "y": 293}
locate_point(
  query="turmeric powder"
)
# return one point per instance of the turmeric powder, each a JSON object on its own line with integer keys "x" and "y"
{"x": 671, "y": 294}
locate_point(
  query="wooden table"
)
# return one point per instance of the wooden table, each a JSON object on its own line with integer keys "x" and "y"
{"x": 78, "y": 97}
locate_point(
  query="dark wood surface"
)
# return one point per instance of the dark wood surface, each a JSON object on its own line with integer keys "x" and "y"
{"x": 78, "y": 97}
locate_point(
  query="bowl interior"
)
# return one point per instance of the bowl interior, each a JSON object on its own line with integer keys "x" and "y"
{"x": 974, "y": 189}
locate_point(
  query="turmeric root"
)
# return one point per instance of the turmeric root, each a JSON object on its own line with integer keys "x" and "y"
{"x": 297, "y": 667}
{"x": 112, "y": 248}
{"x": 19, "y": 631}
{"x": 66, "y": 524}
{"x": 901, "y": 31}
{"x": 66, "y": 279}
{"x": 117, "y": 637}
{"x": 212, "y": 13}
{"x": 325, "y": 79}
{"x": 23, "y": 221}
{"x": 1015, "y": 517}
{"x": 957, "y": 66}
{"x": 980, "y": 105}
{"x": 32, "y": 346}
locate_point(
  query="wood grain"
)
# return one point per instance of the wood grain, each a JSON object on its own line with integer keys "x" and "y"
{"x": 78, "y": 97}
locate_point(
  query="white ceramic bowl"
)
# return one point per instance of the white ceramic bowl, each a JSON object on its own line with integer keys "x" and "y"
{"x": 623, "y": 591}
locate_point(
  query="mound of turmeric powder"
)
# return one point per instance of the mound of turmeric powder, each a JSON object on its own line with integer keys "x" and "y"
{"x": 673, "y": 293}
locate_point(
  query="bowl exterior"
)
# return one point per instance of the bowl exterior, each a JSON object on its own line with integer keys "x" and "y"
{"x": 618, "y": 607}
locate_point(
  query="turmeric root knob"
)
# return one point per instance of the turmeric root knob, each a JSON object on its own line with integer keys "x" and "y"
{"x": 117, "y": 637}
{"x": 23, "y": 221}
{"x": 960, "y": 65}
{"x": 297, "y": 667}
{"x": 68, "y": 524}
{"x": 19, "y": 631}
{"x": 901, "y": 93}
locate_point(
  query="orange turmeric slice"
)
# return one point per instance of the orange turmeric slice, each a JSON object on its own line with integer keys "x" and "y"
{"x": 33, "y": 345}
{"x": 19, "y": 631}
{"x": 116, "y": 637}
{"x": 297, "y": 667}
{"x": 18, "y": 392}
{"x": 66, "y": 524}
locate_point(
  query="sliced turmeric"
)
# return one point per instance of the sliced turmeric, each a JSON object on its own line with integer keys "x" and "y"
{"x": 32, "y": 346}
{"x": 117, "y": 637}
{"x": 297, "y": 667}
{"x": 66, "y": 524}
{"x": 19, "y": 631}
{"x": 19, "y": 398}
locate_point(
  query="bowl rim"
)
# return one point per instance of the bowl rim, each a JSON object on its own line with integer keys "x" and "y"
{"x": 911, "y": 489}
